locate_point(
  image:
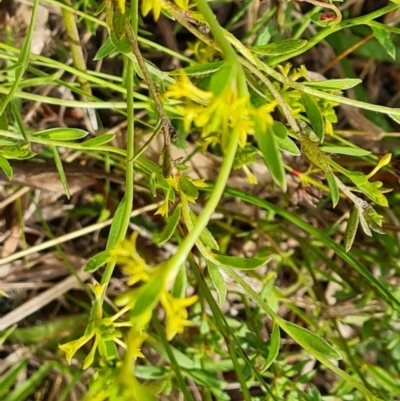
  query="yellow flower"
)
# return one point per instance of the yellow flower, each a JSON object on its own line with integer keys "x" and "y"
{"x": 176, "y": 313}
{"x": 148, "y": 5}
{"x": 184, "y": 88}
{"x": 132, "y": 263}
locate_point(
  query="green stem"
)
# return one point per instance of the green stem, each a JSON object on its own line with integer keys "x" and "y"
{"x": 165, "y": 123}
{"x": 180, "y": 257}
{"x": 225, "y": 46}
{"x": 129, "y": 173}
{"x": 216, "y": 30}
{"x": 75, "y": 45}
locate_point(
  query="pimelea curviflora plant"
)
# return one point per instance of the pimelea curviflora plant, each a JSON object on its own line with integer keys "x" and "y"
{"x": 244, "y": 102}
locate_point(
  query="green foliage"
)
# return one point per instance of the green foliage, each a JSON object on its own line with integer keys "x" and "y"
{"x": 244, "y": 103}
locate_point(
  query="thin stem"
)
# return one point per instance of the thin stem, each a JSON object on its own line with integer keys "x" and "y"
{"x": 180, "y": 257}
{"x": 166, "y": 124}
{"x": 129, "y": 173}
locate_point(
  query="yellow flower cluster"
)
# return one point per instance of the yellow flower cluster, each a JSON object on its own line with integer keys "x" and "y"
{"x": 218, "y": 115}
{"x": 136, "y": 268}
{"x": 156, "y": 6}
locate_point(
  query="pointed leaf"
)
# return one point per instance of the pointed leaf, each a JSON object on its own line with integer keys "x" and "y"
{"x": 385, "y": 40}
{"x": 279, "y": 130}
{"x": 308, "y": 340}
{"x": 340, "y": 84}
{"x": 223, "y": 78}
{"x": 288, "y": 145}
{"x": 170, "y": 228}
{"x": 281, "y": 47}
{"x": 95, "y": 262}
{"x": 62, "y": 134}
{"x": 270, "y": 151}
{"x": 147, "y": 297}
{"x": 206, "y": 237}
{"x": 351, "y": 229}
{"x": 60, "y": 170}
{"x": 218, "y": 281}
{"x": 116, "y": 224}
{"x": 333, "y": 187}
{"x": 200, "y": 69}
{"x": 98, "y": 141}
{"x": 106, "y": 49}
{"x": 314, "y": 115}
{"x": 6, "y": 167}
{"x": 240, "y": 263}
{"x": 345, "y": 150}
{"x": 273, "y": 348}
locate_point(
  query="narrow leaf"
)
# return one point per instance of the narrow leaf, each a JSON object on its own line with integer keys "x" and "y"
{"x": 60, "y": 170}
{"x": 279, "y": 130}
{"x": 98, "y": 141}
{"x": 200, "y": 69}
{"x": 288, "y": 145}
{"x": 340, "y": 84}
{"x": 106, "y": 49}
{"x": 314, "y": 115}
{"x": 308, "y": 340}
{"x": 95, "y": 262}
{"x": 116, "y": 224}
{"x": 332, "y": 187}
{"x": 281, "y": 47}
{"x": 171, "y": 226}
{"x": 345, "y": 150}
{"x": 147, "y": 297}
{"x": 270, "y": 151}
{"x": 351, "y": 229}
{"x": 240, "y": 263}
{"x": 385, "y": 40}
{"x": 6, "y": 167}
{"x": 218, "y": 281}
{"x": 206, "y": 237}
{"x": 62, "y": 134}
{"x": 274, "y": 347}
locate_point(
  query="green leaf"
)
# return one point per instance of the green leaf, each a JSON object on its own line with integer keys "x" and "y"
{"x": 340, "y": 84}
{"x": 223, "y": 78}
{"x": 345, "y": 150}
{"x": 122, "y": 45}
{"x": 351, "y": 229}
{"x": 279, "y": 130}
{"x": 62, "y": 134}
{"x": 314, "y": 115}
{"x": 9, "y": 379}
{"x": 206, "y": 237}
{"x": 30, "y": 384}
{"x": 116, "y": 224}
{"x": 332, "y": 187}
{"x": 170, "y": 228}
{"x": 382, "y": 287}
{"x": 188, "y": 188}
{"x": 308, "y": 340}
{"x": 147, "y": 297}
{"x": 270, "y": 151}
{"x": 200, "y": 69}
{"x": 96, "y": 261}
{"x": 60, "y": 170}
{"x": 273, "y": 348}
{"x": 218, "y": 281}
{"x": 98, "y": 141}
{"x": 6, "y": 167}
{"x": 106, "y": 49}
{"x": 281, "y": 47}
{"x": 240, "y": 263}
{"x": 385, "y": 40}
{"x": 288, "y": 145}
